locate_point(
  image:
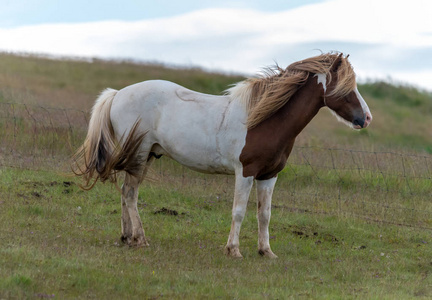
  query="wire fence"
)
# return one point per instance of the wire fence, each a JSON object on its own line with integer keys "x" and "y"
{"x": 35, "y": 137}
{"x": 384, "y": 187}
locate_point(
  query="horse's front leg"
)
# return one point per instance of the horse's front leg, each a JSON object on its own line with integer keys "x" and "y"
{"x": 132, "y": 230}
{"x": 264, "y": 193}
{"x": 241, "y": 196}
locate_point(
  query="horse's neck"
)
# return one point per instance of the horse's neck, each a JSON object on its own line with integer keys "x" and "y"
{"x": 269, "y": 144}
{"x": 293, "y": 117}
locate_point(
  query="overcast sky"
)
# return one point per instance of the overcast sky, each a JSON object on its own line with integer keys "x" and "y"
{"x": 385, "y": 38}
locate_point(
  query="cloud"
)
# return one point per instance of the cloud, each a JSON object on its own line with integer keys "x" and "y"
{"x": 385, "y": 38}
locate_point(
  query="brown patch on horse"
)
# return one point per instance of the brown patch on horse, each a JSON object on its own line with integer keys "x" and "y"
{"x": 272, "y": 91}
{"x": 269, "y": 143}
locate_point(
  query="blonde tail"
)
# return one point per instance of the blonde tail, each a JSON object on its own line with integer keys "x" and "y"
{"x": 102, "y": 156}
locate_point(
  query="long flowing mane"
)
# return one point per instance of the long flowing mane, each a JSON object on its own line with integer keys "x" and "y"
{"x": 265, "y": 95}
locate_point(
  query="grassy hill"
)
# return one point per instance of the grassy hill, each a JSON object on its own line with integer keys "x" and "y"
{"x": 401, "y": 122}
{"x": 345, "y": 224}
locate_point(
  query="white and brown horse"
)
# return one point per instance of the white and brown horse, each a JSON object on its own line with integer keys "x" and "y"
{"x": 249, "y": 132}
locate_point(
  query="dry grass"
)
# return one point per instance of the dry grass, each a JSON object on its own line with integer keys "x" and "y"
{"x": 75, "y": 84}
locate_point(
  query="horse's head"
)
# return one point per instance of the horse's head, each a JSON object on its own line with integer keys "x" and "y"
{"x": 342, "y": 97}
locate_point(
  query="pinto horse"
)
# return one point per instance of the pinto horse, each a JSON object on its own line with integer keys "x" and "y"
{"x": 248, "y": 132}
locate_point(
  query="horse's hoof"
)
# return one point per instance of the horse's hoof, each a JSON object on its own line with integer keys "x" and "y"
{"x": 233, "y": 252}
{"x": 267, "y": 253}
{"x": 135, "y": 242}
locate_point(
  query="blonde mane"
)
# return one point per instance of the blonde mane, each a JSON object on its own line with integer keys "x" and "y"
{"x": 265, "y": 95}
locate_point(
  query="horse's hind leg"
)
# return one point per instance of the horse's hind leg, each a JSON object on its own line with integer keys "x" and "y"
{"x": 132, "y": 229}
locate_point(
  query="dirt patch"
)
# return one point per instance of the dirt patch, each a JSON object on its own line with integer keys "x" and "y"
{"x": 36, "y": 194}
{"x": 166, "y": 211}
{"x": 63, "y": 183}
{"x": 319, "y": 237}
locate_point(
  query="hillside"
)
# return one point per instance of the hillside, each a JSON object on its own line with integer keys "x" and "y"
{"x": 345, "y": 223}
{"x": 401, "y": 122}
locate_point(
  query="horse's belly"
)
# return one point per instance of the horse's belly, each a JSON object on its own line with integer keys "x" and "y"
{"x": 211, "y": 169}
{"x": 202, "y": 157}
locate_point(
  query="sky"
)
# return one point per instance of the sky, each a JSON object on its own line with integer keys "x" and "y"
{"x": 386, "y": 39}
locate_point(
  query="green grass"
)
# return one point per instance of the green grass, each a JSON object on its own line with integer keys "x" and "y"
{"x": 403, "y": 116}
{"x": 59, "y": 241}
{"x": 402, "y": 95}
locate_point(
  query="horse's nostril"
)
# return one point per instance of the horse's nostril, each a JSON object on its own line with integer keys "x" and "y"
{"x": 359, "y": 122}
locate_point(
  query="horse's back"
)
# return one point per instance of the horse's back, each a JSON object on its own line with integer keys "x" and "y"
{"x": 156, "y": 100}
{"x": 159, "y": 93}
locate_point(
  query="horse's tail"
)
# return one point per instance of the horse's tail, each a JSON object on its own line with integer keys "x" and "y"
{"x": 102, "y": 156}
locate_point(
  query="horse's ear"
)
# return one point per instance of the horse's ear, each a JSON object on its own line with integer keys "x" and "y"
{"x": 336, "y": 64}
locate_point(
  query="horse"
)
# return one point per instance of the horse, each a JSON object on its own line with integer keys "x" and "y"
{"x": 248, "y": 132}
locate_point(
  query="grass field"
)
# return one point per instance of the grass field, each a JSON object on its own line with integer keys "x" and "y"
{"x": 61, "y": 242}
{"x": 352, "y": 223}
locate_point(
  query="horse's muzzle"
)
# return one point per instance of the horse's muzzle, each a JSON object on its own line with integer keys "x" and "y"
{"x": 364, "y": 122}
